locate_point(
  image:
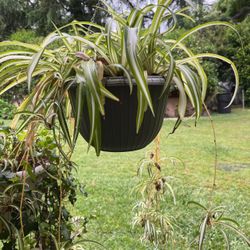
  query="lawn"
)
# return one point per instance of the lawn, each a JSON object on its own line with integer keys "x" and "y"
{"x": 110, "y": 178}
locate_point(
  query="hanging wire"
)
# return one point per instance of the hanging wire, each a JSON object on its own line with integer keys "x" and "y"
{"x": 98, "y": 4}
{"x": 95, "y": 12}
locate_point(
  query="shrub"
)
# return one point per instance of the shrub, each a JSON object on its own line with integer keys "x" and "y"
{"x": 26, "y": 36}
{"x": 7, "y": 110}
{"x": 32, "y": 191}
{"x": 239, "y": 53}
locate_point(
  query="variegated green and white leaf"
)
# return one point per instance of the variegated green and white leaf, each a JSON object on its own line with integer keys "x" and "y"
{"x": 192, "y": 88}
{"x": 131, "y": 41}
{"x": 202, "y": 26}
{"x": 126, "y": 72}
{"x": 182, "y": 103}
{"x": 203, "y": 232}
{"x": 211, "y": 55}
{"x": 78, "y": 109}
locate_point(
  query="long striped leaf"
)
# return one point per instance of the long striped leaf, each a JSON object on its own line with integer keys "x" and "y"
{"x": 89, "y": 71}
{"x": 135, "y": 18}
{"x": 197, "y": 204}
{"x": 20, "y": 80}
{"x": 111, "y": 48}
{"x": 197, "y": 65}
{"x": 32, "y": 47}
{"x": 15, "y": 52}
{"x": 229, "y": 220}
{"x": 236, "y": 230}
{"x": 173, "y": 16}
{"x": 202, "y": 26}
{"x": 97, "y": 136}
{"x": 131, "y": 41}
{"x": 63, "y": 123}
{"x": 193, "y": 88}
{"x": 14, "y": 57}
{"x": 203, "y": 232}
{"x": 186, "y": 16}
{"x": 123, "y": 49}
{"x": 211, "y": 55}
{"x": 92, "y": 109}
{"x": 63, "y": 37}
{"x": 82, "y": 24}
{"x": 182, "y": 103}
{"x": 9, "y": 64}
{"x": 78, "y": 109}
{"x": 226, "y": 239}
{"x": 140, "y": 110}
{"x": 36, "y": 58}
{"x": 32, "y": 66}
{"x": 157, "y": 19}
{"x": 108, "y": 94}
{"x": 10, "y": 71}
{"x": 169, "y": 75}
{"x": 126, "y": 74}
{"x": 95, "y": 127}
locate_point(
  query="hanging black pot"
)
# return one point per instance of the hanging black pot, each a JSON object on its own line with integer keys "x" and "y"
{"x": 118, "y": 127}
{"x": 223, "y": 99}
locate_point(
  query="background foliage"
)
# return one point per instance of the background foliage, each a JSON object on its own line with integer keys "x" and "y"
{"x": 7, "y": 110}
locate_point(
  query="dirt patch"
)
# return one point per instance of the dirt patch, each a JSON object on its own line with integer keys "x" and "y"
{"x": 233, "y": 167}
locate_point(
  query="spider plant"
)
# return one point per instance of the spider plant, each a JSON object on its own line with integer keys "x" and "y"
{"x": 215, "y": 220}
{"x": 82, "y": 53}
{"x": 150, "y": 210}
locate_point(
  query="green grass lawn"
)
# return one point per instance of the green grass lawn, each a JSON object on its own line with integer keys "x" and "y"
{"x": 110, "y": 178}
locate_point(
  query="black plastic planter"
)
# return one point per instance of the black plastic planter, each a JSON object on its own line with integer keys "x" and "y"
{"x": 223, "y": 99}
{"x": 118, "y": 129}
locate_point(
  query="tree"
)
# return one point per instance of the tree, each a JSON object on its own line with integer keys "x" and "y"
{"x": 237, "y": 10}
{"x": 83, "y": 10}
{"x": 47, "y": 12}
{"x": 12, "y": 16}
{"x": 41, "y": 14}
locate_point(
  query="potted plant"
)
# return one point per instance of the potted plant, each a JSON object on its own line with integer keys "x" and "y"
{"x": 115, "y": 77}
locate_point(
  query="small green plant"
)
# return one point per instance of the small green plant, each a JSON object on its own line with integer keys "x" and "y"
{"x": 150, "y": 211}
{"x": 32, "y": 192}
{"x": 26, "y": 36}
{"x": 7, "y": 110}
{"x": 214, "y": 220}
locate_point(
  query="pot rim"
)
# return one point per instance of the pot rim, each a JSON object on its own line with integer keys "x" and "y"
{"x": 153, "y": 80}
{"x": 122, "y": 80}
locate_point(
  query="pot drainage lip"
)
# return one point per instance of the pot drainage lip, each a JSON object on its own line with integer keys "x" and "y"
{"x": 233, "y": 167}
